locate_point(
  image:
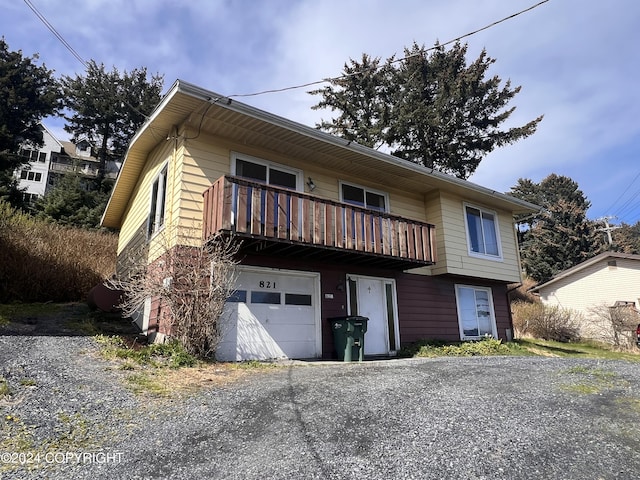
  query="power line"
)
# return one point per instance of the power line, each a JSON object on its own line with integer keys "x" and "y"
{"x": 623, "y": 193}
{"x": 347, "y": 75}
{"x": 55, "y": 33}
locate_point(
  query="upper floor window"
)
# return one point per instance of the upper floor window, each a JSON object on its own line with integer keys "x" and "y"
{"x": 28, "y": 175}
{"x": 158, "y": 200}
{"x": 33, "y": 155}
{"x": 364, "y": 197}
{"x": 482, "y": 232}
{"x": 266, "y": 172}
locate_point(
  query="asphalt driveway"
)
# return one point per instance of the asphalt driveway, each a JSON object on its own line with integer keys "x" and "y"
{"x": 458, "y": 418}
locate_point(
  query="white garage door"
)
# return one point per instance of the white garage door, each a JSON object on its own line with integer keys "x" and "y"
{"x": 273, "y": 314}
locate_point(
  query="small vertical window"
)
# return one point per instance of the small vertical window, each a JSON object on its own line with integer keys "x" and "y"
{"x": 158, "y": 200}
{"x": 42, "y": 156}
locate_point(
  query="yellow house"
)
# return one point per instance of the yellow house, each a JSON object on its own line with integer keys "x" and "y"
{"x": 328, "y": 228}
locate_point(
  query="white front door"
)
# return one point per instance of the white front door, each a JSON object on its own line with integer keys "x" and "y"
{"x": 374, "y": 298}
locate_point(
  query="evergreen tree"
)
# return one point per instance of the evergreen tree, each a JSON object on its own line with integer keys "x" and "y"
{"x": 28, "y": 93}
{"x": 430, "y": 108}
{"x": 560, "y": 236}
{"x": 75, "y": 201}
{"x": 362, "y": 101}
{"x": 109, "y": 107}
{"x": 626, "y": 238}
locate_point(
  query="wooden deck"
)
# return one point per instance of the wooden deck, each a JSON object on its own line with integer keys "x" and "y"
{"x": 253, "y": 210}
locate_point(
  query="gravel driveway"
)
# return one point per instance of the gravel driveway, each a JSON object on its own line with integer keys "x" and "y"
{"x": 462, "y": 418}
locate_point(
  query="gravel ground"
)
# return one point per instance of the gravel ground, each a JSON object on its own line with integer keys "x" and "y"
{"x": 457, "y": 418}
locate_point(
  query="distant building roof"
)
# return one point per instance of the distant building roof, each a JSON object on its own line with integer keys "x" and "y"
{"x": 585, "y": 264}
{"x": 73, "y": 151}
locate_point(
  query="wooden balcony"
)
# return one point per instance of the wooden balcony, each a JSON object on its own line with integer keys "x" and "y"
{"x": 279, "y": 221}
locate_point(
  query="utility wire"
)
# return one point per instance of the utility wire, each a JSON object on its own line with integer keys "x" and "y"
{"x": 347, "y": 75}
{"x": 55, "y": 33}
{"x": 623, "y": 193}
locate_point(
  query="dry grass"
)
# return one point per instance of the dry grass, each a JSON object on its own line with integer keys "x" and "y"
{"x": 520, "y": 292}
{"x": 46, "y": 262}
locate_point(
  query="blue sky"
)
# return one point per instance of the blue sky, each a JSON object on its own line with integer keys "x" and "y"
{"x": 578, "y": 63}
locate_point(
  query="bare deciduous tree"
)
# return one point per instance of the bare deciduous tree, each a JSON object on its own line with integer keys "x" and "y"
{"x": 614, "y": 324}
{"x": 191, "y": 284}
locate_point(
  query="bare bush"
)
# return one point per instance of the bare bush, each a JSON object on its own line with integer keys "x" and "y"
{"x": 546, "y": 322}
{"x": 615, "y": 325}
{"x": 191, "y": 285}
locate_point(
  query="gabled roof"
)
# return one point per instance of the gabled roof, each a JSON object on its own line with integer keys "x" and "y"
{"x": 210, "y": 112}
{"x": 587, "y": 263}
{"x": 71, "y": 151}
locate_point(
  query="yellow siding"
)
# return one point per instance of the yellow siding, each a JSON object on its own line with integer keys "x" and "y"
{"x": 207, "y": 158}
{"x": 447, "y": 212}
{"x": 138, "y": 210}
{"x": 196, "y": 163}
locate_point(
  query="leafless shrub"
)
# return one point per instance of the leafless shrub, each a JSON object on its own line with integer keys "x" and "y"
{"x": 191, "y": 284}
{"x": 541, "y": 321}
{"x": 614, "y": 324}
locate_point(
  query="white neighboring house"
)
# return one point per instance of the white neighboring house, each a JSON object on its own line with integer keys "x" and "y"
{"x": 55, "y": 159}
{"x": 610, "y": 280}
{"x": 35, "y": 175}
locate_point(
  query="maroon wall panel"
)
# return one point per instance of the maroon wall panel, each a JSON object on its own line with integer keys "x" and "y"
{"x": 426, "y": 304}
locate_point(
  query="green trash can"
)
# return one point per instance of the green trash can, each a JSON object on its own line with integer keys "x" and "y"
{"x": 348, "y": 337}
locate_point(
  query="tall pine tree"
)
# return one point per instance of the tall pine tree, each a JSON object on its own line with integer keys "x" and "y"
{"x": 429, "y": 107}
{"x": 561, "y": 235}
{"x": 107, "y": 108}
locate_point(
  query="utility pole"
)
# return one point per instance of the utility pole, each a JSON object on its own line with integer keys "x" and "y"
{"x": 607, "y": 228}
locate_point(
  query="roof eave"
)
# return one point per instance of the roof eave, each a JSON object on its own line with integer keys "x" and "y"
{"x": 112, "y": 216}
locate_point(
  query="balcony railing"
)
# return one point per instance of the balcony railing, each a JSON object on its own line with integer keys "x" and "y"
{"x": 263, "y": 212}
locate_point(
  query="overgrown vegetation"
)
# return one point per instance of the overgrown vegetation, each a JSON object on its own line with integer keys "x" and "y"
{"x": 170, "y": 354}
{"x": 168, "y": 370}
{"x": 582, "y": 349}
{"x": 44, "y": 262}
{"x": 545, "y": 322}
{"x": 437, "y": 348}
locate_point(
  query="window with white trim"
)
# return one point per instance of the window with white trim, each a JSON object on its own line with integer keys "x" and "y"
{"x": 158, "y": 200}
{"x": 364, "y": 197}
{"x": 266, "y": 172}
{"x": 476, "y": 316}
{"x": 483, "y": 236}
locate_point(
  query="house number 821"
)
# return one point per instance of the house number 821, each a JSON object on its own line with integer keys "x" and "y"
{"x": 267, "y": 284}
